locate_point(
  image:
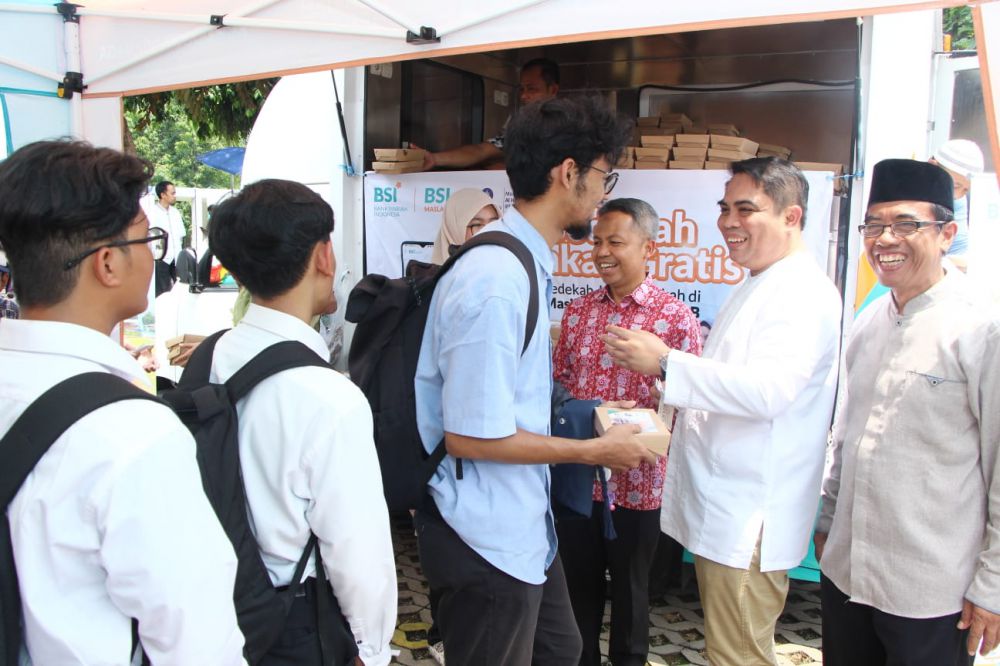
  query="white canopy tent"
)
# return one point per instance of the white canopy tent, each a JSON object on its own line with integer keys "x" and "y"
{"x": 124, "y": 47}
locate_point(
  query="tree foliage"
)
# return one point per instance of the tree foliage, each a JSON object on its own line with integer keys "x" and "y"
{"x": 226, "y": 111}
{"x": 957, "y": 22}
{"x": 171, "y": 142}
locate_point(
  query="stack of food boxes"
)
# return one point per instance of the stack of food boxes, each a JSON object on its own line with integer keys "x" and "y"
{"x": 398, "y": 160}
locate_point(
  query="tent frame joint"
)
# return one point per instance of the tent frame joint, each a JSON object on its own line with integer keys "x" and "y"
{"x": 68, "y": 11}
{"x": 217, "y": 20}
{"x": 72, "y": 83}
{"x": 427, "y": 35}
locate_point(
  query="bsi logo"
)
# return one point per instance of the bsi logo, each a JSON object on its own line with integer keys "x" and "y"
{"x": 436, "y": 195}
{"x": 386, "y": 194}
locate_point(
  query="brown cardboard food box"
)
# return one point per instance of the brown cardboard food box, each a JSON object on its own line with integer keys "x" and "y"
{"x": 657, "y": 141}
{"x": 765, "y": 149}
{"x": 649, "y": 164}
{"x": 654, "y": 435}
{"x": 645, "y": 154}
{"x": 736, "y": 143}
{"x": 409, "y": 164}
{"x": 692, "y": 140}
{"x": 687, "y": 164}
{"x": 173, "y": 345}
{"x": 648, "y": 121}
{"x": 723, "y": 128}
{"x": 675, "y": 119}
{"x": 723, "y": 154}
{"x": 690, "y": 153}
{"x": 717, "y": 164}
{"x": 399, "y": 154}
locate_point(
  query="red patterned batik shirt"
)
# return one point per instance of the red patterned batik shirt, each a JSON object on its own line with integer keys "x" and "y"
{"x": 588, "y": 373}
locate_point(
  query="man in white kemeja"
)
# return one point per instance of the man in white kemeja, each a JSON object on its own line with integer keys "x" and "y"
{"x": 308, "y": 457}
{"x": 112, "y": 524}
{"x": 747, "y": 454}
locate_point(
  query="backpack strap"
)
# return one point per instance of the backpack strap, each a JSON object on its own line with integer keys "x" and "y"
{"x": 32, "y": 434}
{"x": 199, "y": 367}
{"x": 523, "y": 254}
{"x": 50, "y": 415}
{"x": 278, "y": 357}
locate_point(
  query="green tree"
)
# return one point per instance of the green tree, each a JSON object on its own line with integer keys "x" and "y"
{"x": 957, "y": 22}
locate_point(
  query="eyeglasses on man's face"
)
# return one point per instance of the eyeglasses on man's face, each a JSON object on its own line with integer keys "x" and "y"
{"x": 610, "y": 178}
{"x": 899, "y": 229}
{"x": 156, "y": 237}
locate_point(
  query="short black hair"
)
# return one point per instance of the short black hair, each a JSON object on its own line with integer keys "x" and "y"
{"x": 543, "y": 134}
{"x": 266, "y": 233}
{"x": 161, "y": 187}
{"x": 549, "y": 69}
{"x": 781, "y": 180}
{"x": 57, "y": 200}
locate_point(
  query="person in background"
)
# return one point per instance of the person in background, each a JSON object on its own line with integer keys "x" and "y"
{"x": 908, "y": 539}
{"x": 163, "y": 213}
{"x": 468, "y": 210}
{"x": 539, "y": 82}
{"x": 963, "y": 160}
{"x": 624, "y": 242}
{"x": 113, "y": 523}
{"x": 308, "y": 456}
{"x": 8, "y": 302}
{"x": 755, "y": 405}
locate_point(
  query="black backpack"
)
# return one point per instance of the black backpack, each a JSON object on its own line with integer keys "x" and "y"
{"x": 209, "y": 412}
{"x": 390, "y": 315}
{"x": 38, "y": 427}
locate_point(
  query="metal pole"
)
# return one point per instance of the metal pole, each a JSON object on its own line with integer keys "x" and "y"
{"x": 24, "y": 67}
{"x": 377, "y": 6}
{"x": 508, "y": 9}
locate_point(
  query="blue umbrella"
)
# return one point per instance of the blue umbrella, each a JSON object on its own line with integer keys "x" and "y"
{"x": 229, "y": 160}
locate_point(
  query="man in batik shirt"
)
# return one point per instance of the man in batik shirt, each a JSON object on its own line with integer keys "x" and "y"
{"x": 624, "y": 242}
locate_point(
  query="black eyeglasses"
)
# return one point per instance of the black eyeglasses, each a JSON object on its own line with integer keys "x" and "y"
{"x": 155, "y": 236}
{"x": 610, "y": 178}
{"x": 899, "y": 229}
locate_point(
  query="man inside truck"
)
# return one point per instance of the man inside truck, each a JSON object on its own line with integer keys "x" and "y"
{"x": 908, "y": 539}
{"x": 539, "y": 82}
{"x": 486, "y": 533}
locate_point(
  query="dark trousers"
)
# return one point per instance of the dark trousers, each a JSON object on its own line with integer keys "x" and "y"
{"x": 163, "y": 277}
{"x": 586, "y": 554}
{"x": 859, "y": 635}
{"x": 300, "y": 643}
{"x": 487, "y": 617}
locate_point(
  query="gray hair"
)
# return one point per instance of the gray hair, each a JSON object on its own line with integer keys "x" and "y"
{"x": 643, "y": 215}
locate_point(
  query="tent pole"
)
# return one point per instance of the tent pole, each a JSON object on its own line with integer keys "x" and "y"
{"x": 174, "y": 43}
{"x": 376, "y": 6}
{"x": 509, "y": 9}
{"x": 71, "y": 44}
{"x": 24, "y": 67}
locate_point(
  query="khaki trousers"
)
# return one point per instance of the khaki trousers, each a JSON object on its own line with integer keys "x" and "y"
{"x": 741, "y": 609}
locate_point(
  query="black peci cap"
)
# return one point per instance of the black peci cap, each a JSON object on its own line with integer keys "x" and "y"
{"x": 910, "y": 180}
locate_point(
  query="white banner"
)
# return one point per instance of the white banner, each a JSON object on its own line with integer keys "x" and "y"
{"x": 403, "y": 214}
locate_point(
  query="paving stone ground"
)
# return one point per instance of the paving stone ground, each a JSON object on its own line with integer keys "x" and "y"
{"x": 676, "y": 626}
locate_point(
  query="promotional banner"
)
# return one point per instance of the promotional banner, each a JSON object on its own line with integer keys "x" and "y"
{"x": 403, "y": 214}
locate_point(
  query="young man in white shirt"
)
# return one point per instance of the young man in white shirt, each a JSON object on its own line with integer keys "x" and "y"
{"x": 164, "y": 214}
{"x": 745, "y": 465}
{"x": 306, "y": 437}
{"x": 112, "y": 524}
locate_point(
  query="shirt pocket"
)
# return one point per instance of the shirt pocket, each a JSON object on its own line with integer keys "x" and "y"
{"x": 935, "y": 410}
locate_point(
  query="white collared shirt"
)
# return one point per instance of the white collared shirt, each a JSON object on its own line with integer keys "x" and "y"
{"x": 168, "y": 219}
{"x": 750, "y": 439}
{"x": 113, "y": 523}
{"x": 309, "y": 463}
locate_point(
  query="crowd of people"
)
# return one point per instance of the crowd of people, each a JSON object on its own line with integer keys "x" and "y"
{"x": 117, "y": 548}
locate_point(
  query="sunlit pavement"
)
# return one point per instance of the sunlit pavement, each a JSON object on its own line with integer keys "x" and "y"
{"x": 676, "y": 628}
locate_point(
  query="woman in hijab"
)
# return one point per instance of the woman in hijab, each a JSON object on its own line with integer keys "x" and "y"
{"x": 467, "y": 211}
